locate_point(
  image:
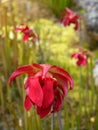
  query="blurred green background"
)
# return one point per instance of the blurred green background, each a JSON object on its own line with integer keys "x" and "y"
{"x": 58, "y": 43}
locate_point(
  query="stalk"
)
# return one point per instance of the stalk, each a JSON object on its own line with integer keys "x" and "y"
{"x": 25, "y": 114}
{"x": 66, "y": 117}
{"x": 60, "y": 122}
{"x": 1, "y": 96}
{"x": 92, "y": 89}
{"x": 41, "y": 53}
{"x": 52, "y": 122}
{"x": 80, "y": 99}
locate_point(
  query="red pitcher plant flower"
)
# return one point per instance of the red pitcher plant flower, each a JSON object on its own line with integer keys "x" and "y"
{"x": 46, "y": 86}
{"x": 70, "y": 17}
{"x": 81, "y": 58}
{"x": 27, "y": 32}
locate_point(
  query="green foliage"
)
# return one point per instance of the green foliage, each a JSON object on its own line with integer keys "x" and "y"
{"x": 55, "y": 40}
{"x": 59, "y": 5}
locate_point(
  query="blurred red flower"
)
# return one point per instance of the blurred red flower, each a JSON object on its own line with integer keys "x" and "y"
{"x": 46, "y": 86}
{"x": 70, "y": 17}
{"x": 81, "y": 58}
{"x": 28, "y": 33}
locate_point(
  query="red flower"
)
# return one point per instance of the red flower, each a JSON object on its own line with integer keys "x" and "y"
{"x": 28, "y": 33}
{"x": 46, "y": 86}
{"x": 70, "y": 17}
{"x": 81, "y": 58}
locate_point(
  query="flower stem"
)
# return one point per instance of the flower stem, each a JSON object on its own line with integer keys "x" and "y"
{"x": 59, "y": 119}
{"x": 52, "y": 122}
{"x": 41, "y": 54}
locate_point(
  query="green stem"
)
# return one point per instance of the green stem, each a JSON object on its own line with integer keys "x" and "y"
{"x": 24, "y": 112}
{"x": 80, "y": 101}
{"x": 41, "y": 54}
{"x": 60, "y": 123}
{"x": 52, "y": 122}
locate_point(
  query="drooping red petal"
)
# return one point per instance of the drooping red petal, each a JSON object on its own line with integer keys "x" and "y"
{"x": 42, "y": 112}
{"x": 81, "y": 58}
{"x": 75, "y": 55}
{"x": 70, "y": 17}
{"x": 26, "y": 69}
{"x": 28, "y": 103}
{"x": 58, "y": 101}
{"x": 35, "y": 91}
{"x": 66, "y": 21}
{"x": 76, "y": 25}
{"x": 26, "y": 30}
{"x": 37, "y": 66}
{"x": 62, "y": 83}
{"x": 57, "y": 70}
{"x": 82, "y": 61}
{"x": 26, "y": 37}
{"x": 18, "y": 29}
{"x": 79, "y": 63}
{"x": 71, "y": 14}
{"x": 48, "y": 93}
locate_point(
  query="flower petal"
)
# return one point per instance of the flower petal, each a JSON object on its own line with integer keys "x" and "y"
{"x": 70, "y": 17}
{"x": 26, "y": 69}
{"x": 57, "y": 70}
{"x": 76, "y": 25}
{"x": 18, "y": 29}
{"x": 62, "y": 83}
{"x": 58, "y": 101}
{"x": 48, "y": 93}
{"x": 28, "y": 103}
{"x": 81, "y": 58}
{"x": 26, "y": 37}
{"x": 38, "y": 66}
{"x": 35, "y": 91}
{"x": 75, "y": 55}
{"x": 82, "y": 62}
{"x": 42, "y": 112}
